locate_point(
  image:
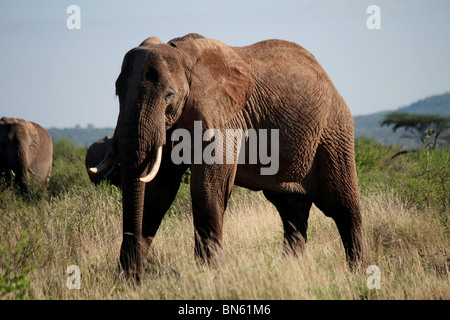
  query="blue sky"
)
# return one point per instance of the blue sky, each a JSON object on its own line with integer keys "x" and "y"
{"x": 62, "y": 78}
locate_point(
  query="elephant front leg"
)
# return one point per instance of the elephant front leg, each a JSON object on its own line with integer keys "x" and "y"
{"x": 159, "y": 196}
{"x": 211, "y": 188}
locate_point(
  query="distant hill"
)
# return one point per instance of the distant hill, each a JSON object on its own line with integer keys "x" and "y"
{"x": 81, "y": 136}
{"x": 369, "y": 125}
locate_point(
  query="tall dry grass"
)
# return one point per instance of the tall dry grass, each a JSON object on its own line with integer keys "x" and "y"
{"x": 39, "y": 239}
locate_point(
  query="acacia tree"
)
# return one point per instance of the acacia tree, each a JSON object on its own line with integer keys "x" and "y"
{"x": 426, "y": 129}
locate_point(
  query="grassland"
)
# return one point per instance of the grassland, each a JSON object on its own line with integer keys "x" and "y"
{"x": 405, "y": 212}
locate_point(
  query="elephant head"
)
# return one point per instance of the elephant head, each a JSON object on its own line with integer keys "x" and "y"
{"x": 25, "y": 148}
{"x": 97, "y": 152}
{"x": 162, "y": 86}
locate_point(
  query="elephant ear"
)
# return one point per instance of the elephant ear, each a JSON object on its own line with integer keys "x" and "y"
{"x": 220, "y": 82}
{"x": 34, "y": 141}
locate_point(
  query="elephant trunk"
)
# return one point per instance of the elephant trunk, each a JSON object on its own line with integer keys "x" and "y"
{"x": 134, "y": 245}
{"x": 139, "y": 145}
{"x": 132, "y": 249}
{"x": 21, "y": 166}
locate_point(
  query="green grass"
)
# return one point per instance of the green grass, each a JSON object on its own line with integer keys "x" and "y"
{"x": 421, "y": 178}
{"x": 76, "y": 223}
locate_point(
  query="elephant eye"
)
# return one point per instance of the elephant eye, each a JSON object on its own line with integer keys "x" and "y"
{"x": 169, "y": 96}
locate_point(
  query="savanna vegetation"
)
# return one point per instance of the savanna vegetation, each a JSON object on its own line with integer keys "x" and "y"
{"x": 405, "y": 200}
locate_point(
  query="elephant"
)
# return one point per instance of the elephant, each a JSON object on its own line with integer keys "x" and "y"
{"x": 95, "y": 153}
{"x": 26, "y": 150}
{"x": 165, "y": 89}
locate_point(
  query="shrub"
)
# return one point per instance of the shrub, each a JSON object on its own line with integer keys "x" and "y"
{"x": 420, "y": 177}
{"x": 371, "y": 159}
{"x": 16, "y": 264}
{"x": 68, "y": 168}
{"x": 423, "y": 179}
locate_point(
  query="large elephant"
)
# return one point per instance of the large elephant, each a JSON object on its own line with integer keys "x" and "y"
{"x": 95, "y": 154}
{"x": 164, "y": 89}
{"x": 26, "y": 150}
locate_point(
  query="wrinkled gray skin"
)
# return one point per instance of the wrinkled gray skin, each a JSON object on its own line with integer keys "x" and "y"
{"x": 26, "y": 151}
{"x": 272, "y": 84}
{"x": 94, "y": 155}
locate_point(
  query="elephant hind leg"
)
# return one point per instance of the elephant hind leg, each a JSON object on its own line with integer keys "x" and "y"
{"x": 294, "y": 212}
{"x": 350, "y": 229}
{"x": 349, "y": 224}
{"x": 338, "y": 198}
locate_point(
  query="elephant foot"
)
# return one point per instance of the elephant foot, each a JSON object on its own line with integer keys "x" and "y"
{"x": 355, "y": 248}
{"x": 208, "y": 253}
{"x": 294, "y": 245}
{"x": 132, "y": 258}
{"x": 358, "y": 259}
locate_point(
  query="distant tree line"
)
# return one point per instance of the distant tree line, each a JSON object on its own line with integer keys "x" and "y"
{"x": 81, "y": 137}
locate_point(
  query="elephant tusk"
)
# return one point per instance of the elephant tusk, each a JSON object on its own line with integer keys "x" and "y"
{"x": 103, "y": 164}
{"x": 155, "y": 168}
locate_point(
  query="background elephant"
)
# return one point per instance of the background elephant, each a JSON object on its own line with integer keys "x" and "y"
{"x": 94, "y": 155}
{"x": 25, "y": 148}
{"x": 272, "y": 84}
